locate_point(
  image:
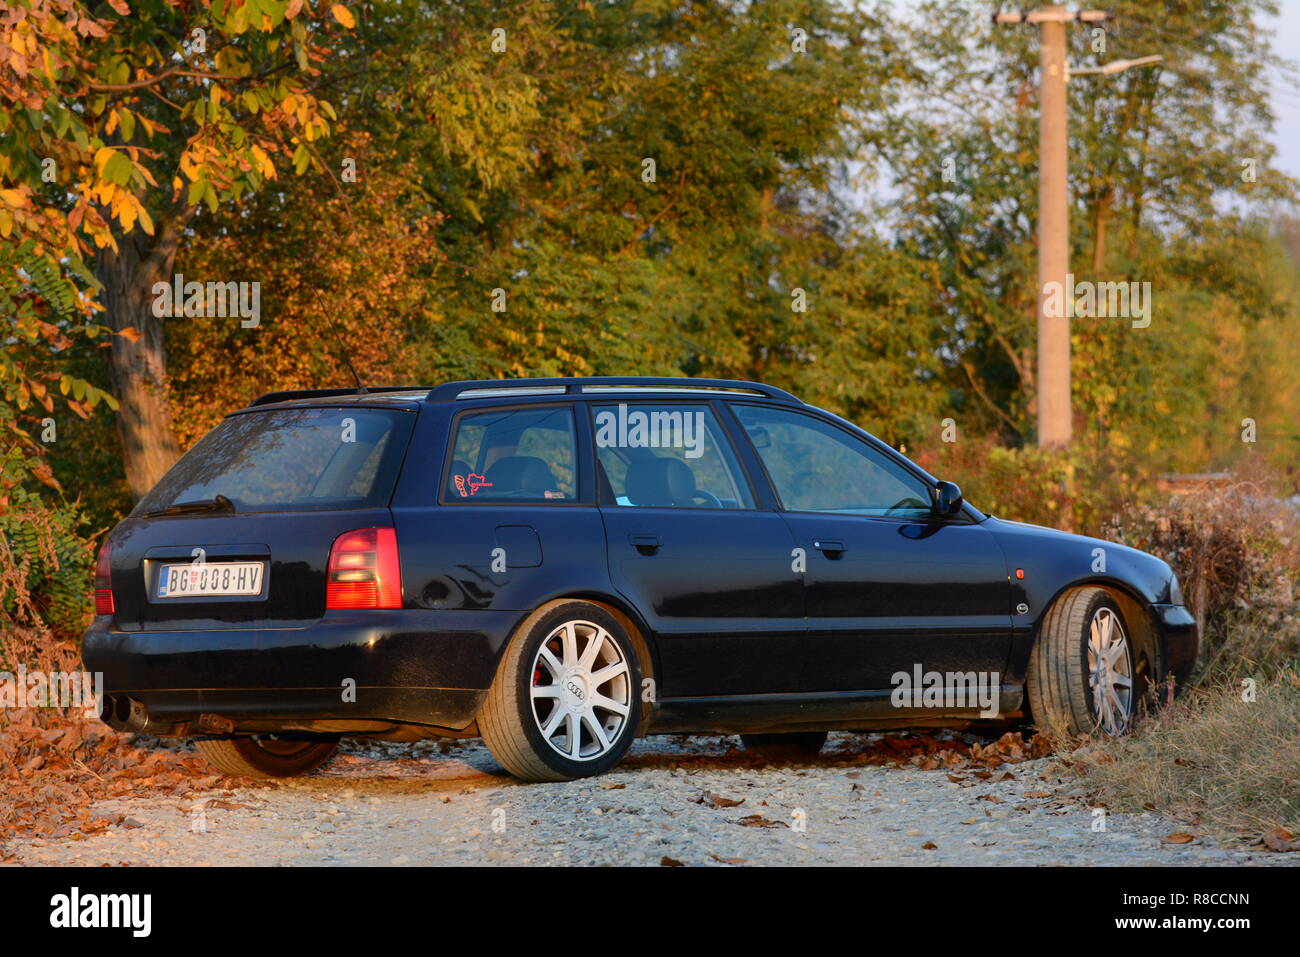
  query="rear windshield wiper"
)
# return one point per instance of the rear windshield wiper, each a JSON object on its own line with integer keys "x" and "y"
{"x": 218, "y": 503}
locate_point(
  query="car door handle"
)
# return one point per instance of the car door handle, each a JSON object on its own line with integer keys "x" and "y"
{"x": 829, "y": 546}
{"x": 645, "y": 544}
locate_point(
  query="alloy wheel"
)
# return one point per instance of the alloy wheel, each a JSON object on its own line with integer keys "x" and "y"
{"x": 581, "y": 690}
{"x": 1110, "y": 672}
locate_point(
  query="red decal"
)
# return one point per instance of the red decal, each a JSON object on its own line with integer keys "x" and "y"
{"x": 474, "y": 482}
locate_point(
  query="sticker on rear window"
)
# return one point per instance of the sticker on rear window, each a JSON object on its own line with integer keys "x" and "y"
{"x": 467, "y": 485}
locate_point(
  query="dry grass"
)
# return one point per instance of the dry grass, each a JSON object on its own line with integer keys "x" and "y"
{"x": 1210, "y": 759}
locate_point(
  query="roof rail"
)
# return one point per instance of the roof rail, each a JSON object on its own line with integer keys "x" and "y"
{"x": 451, "y": 391}
{"x": 288, "y": 394}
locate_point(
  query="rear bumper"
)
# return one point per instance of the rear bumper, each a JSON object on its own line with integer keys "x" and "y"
{"x": 1181, "y": 640}
{"x": 410, "y": 666}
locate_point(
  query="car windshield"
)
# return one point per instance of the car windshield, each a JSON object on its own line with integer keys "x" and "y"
{"x": 290, "y": 460}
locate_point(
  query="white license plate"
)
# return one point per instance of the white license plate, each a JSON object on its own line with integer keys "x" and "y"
{"x": 210, "y": 578}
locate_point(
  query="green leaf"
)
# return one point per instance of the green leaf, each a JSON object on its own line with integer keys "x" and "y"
{"x": 118, "y": 169}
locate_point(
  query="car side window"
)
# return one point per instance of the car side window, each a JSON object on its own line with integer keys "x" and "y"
{"x": 515, "y": 455}
{"x": 817, "y": 467}
{"x": 667, "y": 455}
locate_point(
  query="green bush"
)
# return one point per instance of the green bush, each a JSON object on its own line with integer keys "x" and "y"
{"x": 46, "y": 566}
{"x": 1065, "y": 490}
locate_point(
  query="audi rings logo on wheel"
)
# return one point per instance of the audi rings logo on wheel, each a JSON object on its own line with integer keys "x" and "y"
{"x": 574, "y": 689}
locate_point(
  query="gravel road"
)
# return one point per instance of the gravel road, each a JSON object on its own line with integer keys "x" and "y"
{"x": 448, "y": 803}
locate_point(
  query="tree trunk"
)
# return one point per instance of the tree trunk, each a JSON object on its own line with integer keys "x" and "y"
{"x": 137, "y": 366}
{"x": 1100, "y": 219}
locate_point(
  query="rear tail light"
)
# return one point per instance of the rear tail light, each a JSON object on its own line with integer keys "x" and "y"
{"x": 104, "y": 580}
{"x": 364, "y": 571}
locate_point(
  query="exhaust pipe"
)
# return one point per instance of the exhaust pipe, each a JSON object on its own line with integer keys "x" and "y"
{"x": 125, "y": 714}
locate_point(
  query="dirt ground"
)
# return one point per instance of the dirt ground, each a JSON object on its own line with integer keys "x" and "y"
{"x": 699, "y": 801}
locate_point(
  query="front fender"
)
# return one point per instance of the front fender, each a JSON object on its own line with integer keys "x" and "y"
{"x": 1044, "y": 563}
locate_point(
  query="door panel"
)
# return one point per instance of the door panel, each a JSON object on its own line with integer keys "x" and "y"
{"x": 898, "y": 594}
{"x": 711, "y": 575}
{"x": 888, "y": 585}
{"x": 718, "y": 590}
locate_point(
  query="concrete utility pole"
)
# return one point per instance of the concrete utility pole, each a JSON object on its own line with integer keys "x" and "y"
{"x": 1054, "y": 422}
{"x": 1055, "y": 427}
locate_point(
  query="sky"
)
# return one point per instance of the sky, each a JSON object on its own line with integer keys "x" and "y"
{"x": 1286, "y": 98}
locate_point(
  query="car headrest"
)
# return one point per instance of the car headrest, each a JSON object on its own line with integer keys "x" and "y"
{"x": 516, "y": 473}
{"x": 656, "y": 481}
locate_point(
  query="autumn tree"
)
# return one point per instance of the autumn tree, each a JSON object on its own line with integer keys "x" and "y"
{"x": 121, "y": 121}
{"x": 348, "y": 276}
{"x": 505, "y": 165}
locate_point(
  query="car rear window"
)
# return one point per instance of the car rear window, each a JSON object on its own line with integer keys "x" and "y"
{"x": 516, "y": 455}
{"x": 291, "y": 460}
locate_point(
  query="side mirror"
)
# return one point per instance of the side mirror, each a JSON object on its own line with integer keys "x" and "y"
{"x": 947, "y": 499}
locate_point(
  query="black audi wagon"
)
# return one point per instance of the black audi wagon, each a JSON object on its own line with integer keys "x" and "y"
{"x": 562, "y": 565}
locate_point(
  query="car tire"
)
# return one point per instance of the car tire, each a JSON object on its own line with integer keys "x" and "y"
{"x": 1072, "y": 689}
{"x": 785, "y": 747}
{"x": 251, "y": 757}
{"x": 565, "y": 702}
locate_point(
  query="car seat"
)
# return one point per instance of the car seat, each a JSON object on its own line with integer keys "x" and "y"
{"x": 660, "y": 481}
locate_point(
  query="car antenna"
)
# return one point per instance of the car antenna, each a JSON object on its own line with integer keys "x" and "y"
{"x": 361, "y": 390}
{"x": 347, "y": 361}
